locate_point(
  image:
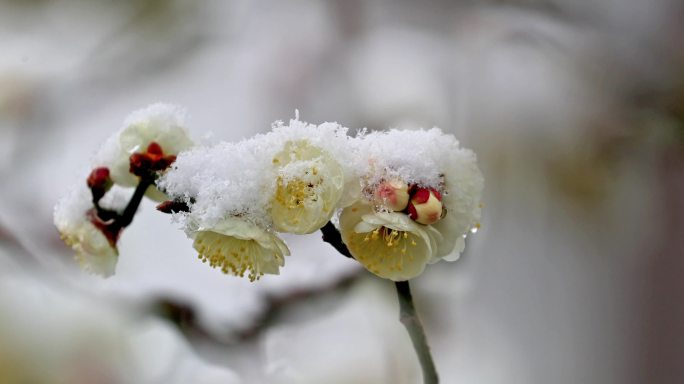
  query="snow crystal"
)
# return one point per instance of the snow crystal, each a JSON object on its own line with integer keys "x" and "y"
{"x": 228, "y": 179}
{"x": 116, "y": 198}
{"x": 162, "y": 114}
{"x": 416, "y": 156}
{"x": 160, "y": 123}
{"x": 239, "y": 179}
{"x": 330, "y": 137}
{"x": 70, "y": 210}
{"x": 164, "y": 118}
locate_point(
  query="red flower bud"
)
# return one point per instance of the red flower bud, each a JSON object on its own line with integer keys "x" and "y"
{"x": 99, "y": 177}
{"x": 99, "y": 182}
{"x": 173, "y": 206}
{"x": 425, "y": 206}
{"x": 144, "y": 164}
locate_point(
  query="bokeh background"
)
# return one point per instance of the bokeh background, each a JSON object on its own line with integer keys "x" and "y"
{"x": 576, "y": 112}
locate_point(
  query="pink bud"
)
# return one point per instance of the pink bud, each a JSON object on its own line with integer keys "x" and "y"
{"x": 392, "y": 194}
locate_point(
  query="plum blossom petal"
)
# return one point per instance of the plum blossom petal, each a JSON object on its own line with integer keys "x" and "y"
{"x": 237, "y": 246}
{"x": 310, "y": 184}
{"x": 445, "y": 185}
{"x": 95, "y": 252}
{"x": 163, "y": 124}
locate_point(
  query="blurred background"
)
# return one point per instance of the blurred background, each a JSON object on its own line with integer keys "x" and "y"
{"x": 576, "y": 112}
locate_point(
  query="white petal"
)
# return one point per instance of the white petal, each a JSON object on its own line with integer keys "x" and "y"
{"x": 387, "y": 252}
{"x": 236, "y": 246}
{"x": 309, "y": 186}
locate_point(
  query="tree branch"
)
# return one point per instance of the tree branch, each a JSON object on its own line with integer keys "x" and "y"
{"x": 332, "y": 236}
{"x": 129, "y": 212}
{"x": 409, "y": 317}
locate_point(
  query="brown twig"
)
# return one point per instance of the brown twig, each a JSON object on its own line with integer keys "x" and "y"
{"x": 332, "y": 236}
{"x": 407, "y": 311}
{"x": 132, "y": 207}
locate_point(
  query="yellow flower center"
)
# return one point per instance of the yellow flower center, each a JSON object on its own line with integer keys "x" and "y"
{"x": 384, "y": 249}
{"x": 296, "y": 193}
{"x": 233, "y": 255}
{"x": 309, "y": 184}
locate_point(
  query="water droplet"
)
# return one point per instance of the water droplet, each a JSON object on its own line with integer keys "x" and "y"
{"x": 473, "y": 230}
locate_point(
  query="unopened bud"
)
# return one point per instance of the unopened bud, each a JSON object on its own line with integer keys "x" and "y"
{"x": 99, "y": 177}
{"x": 99, "y": 182}
{"x": 393, "y": 195}
{"x": 173, "y": 206}
{"x": 425, "y": 206}
{"x": 155, "y": 150}
{"x": 152, "y": 160}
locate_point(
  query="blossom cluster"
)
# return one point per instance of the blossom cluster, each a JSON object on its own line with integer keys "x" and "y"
{"x": 91, "y": 217}
{"x": 400, "y": 199}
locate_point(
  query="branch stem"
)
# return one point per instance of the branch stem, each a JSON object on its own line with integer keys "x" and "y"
{"x": 407, "y": 311}
{"x": 332, "y": 236}
{"x": 409, "y": 317}
{"x": 132, "y": 207}
{"x": 126, "y": 217}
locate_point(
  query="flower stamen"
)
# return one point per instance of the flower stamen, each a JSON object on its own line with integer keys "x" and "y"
{"x": 228, "y": 254}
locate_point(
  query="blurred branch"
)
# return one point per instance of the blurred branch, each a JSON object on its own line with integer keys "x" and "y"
{"x": 278, "y": 304}
{"x": 184, "y": 315}
{"x": 158, "y": 34}
{"x": 16, "y": 250}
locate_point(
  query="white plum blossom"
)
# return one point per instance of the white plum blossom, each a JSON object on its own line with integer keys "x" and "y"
{"x": 163, "y": 124}
{"x": 298, "y": 149}
{"x": 309, "y": 185}
{"x": 389, "y": 244}
{"x": 77, "y": 225}
{"x": 394, "y": 238}
{"x": 94, "y": 252}
{"x": 237, "y": 246}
